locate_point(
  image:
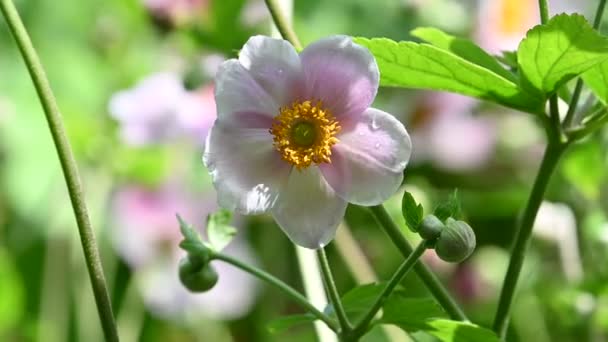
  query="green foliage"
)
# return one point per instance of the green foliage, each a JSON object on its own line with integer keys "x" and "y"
{"x": 412, "y": 211}
{"x": 463, "y": 48}
{"x": 423, "y": 66}
{"x": 558, "y": 51}
{"x": 192, "y": 242}
{"x": 281, "y": 324}
{"x": 449, "y": 208}
{"x": 596, "y": 79}
{"x": 583, "y": 167}
{"x": 452, "y": 331}
{"x": 219, "y": 231}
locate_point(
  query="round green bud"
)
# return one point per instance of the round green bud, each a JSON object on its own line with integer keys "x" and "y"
{"x": 430, "y": 228}
{"x": 456, "y": 242}
{"x": 197, "y": 278}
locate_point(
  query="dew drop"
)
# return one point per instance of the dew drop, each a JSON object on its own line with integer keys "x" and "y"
{"x": 374, "y": 124}
{"x": 377, "y": 146}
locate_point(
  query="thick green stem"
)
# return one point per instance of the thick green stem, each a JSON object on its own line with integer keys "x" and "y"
{"x": 272, "y": 280}
{"x": 428, "y": 278}
{"x": 402, "y": 271}
{"x": 332, "y": 291}
{"x": 282, "y": 24}
{"x": 553, "y": 152}
{"x": 68, "y": 165}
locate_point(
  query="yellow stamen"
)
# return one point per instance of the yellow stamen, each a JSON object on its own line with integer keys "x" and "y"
{"x": 304, "y": 134}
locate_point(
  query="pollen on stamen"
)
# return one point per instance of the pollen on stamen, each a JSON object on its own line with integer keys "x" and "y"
{"x": 304, "y": 133}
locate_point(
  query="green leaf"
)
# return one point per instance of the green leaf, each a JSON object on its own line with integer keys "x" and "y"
{"x": 192, "y": 242}
{"x": 596, "y": 79}
{"x": 281, "y": 324}
{"x": 412, "y": 211}
{"x": 452, "y": 331}
{"x": 463, "y": 48}
{"x": 219, "y": 231}
{"x": 449, "y": 208}
{"x": 423, "y": 66}
{"x": 558, "y": 51}
{"x": 405, "y": 311}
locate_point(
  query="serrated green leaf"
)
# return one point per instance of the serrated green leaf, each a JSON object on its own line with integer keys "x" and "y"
{"x": 219, "y": 231}
{"x": 423, "y": 66}
{"x": 558, "y": 51}
{"x": 463, "y": 48}
{"x": 596, "y": 79}
{"x": 281, "y": 324}
{"x": 449, "y": 208}
{"x": 412, "y": 211}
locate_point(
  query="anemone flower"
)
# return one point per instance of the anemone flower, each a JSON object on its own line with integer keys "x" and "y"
{"x": 296, "y": 137}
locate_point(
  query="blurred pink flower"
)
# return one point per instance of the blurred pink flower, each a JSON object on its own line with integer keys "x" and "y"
{"x": 453, "y": 139}
{"x": 159, "y": 109}
{"x": 146, "y": 235}
{"x": 176, "y": 11}
{"x": 296, "y": 136}
{"x": 502, "y": 24}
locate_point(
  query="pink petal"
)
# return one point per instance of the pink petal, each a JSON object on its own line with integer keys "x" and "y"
{"x": 340, "y": 73}
{"x": 367, "y": 163}
{"x": 246, "y": 169}
{"x": 237, "y": 92}
{"x": 275, "y": 65}
{"x": 308, "y": 210}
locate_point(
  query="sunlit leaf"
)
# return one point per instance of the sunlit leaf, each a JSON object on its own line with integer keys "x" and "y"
{"x": 219, "y": 231}
{"x": 558, "y": 51}
{"x": 423, "y": 66}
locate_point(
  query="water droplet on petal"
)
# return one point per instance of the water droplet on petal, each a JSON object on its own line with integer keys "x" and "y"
{"x": 374, "y": 125}
{"x": 377, "y": 146}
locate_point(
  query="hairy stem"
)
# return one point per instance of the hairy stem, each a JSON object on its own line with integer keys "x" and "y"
{"x": 68, "y": 166}
{"x": 332, "y": 291}
{"x": 402, "y": 271}
{"x": 428, "y": 278}
{"x": 282, "y": 24}
{"x": 287, "y": 290}
{"x": 553, "y": 152}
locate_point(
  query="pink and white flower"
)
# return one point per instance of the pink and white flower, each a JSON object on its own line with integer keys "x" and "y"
{"x": 296, "y": 136}
{"x": 159, "y": 109}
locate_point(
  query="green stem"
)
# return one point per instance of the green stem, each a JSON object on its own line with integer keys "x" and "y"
{"x": 272, "y": 280}
{"x": 68, "y": 165}
{"x": 553, "y": 152}
{"x": 554, "y": 132}
{"x": 332, "y": 291}
{"x": 402, "y": 271}
{"x": 571, "y": 115}
{"x": 544, "y": 11}
{"x": 282, "y": 24}
{"x": 428, "y": 278}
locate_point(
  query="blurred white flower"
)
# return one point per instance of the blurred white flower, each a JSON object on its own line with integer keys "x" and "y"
{"x": 556, "y": 222}
{"x": 159, "y": 109}
{"x": 176, "y": 11}
{"x": 146, "y": 235}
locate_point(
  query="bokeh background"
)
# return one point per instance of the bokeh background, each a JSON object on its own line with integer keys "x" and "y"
{"x": 134, "y": 80}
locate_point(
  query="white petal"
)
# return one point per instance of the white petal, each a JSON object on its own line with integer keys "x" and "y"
{"x": 308, "y": 210}
{"x": 246, "y": 169}
{"x": 367, "y": 163}
{"x": 275, "y": 65}
{"x": 238, "y": 95}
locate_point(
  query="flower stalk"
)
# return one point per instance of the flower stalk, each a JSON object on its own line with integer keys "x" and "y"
{"x": 428, "y": 278}
{"x": 286, "y": 289}
{"x": 68, "y": 166}
{"x": 334, "y": 296}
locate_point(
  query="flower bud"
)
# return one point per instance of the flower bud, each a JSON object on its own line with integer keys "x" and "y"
{"x": 431, "y": 227}
{"x": 456, "y": 242}
{"x": 197, "y": 277}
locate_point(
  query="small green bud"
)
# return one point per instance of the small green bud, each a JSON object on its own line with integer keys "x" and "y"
{"x": 456, "y": 242}
{"x": 197, "y": 277}
{"x": 430, "y": 228}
